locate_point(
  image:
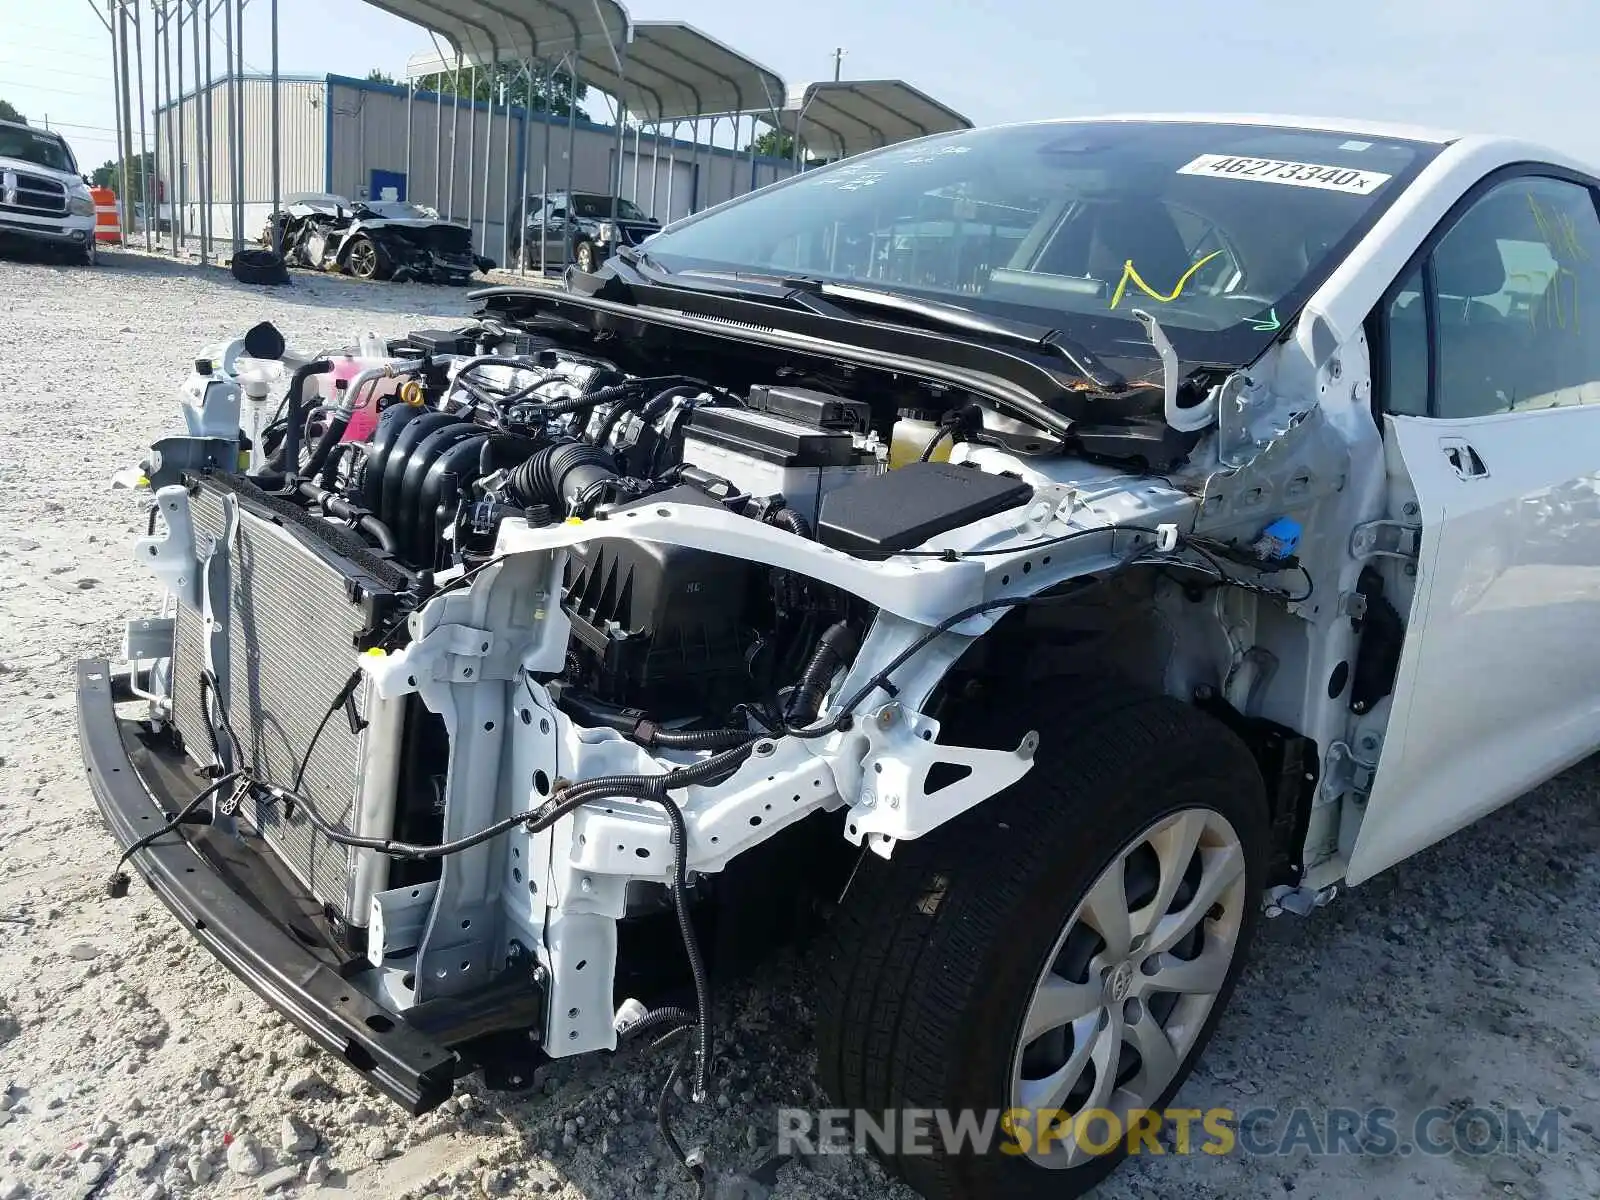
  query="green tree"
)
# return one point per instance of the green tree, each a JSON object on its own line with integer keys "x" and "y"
{"x": 774, "y": 143}
{"x": 9, "y": 113}
{"x": 109, "y": 175}
{"x": 546, "y": 94}
{"x": 379, "y": 75}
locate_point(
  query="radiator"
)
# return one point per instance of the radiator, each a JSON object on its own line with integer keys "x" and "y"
{"x": 292, "y": 635}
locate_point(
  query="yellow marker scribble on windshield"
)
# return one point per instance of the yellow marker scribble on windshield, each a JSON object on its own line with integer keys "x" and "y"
{"x": 1130, "y": 274}
{"x": 1559, "y": 232}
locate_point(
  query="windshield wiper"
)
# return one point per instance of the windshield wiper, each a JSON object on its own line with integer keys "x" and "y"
{"x": 968, "y": 320}
{"x": 829, "y": 300}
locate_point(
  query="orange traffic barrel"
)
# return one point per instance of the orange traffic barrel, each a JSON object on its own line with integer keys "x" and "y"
{"x": 107, "y": 215}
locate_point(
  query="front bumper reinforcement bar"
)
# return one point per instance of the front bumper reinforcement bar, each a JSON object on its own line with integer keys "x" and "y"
{"x": 410, "y": 1067}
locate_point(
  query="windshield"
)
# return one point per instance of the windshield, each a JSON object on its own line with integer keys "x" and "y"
{"x": 34, "y": 146}
{"x": 1221, "y": 231}
{"x": 599, "y": 208}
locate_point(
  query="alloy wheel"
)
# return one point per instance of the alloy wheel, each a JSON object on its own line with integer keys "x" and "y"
{"x": 1127, "y": 987}
{"x": 363, "y": 260}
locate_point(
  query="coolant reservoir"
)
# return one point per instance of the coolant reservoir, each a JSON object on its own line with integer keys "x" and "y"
{"x": 335, "y": 384}
{"x": 913, "y": 430}
{"x": 210, "y": 403}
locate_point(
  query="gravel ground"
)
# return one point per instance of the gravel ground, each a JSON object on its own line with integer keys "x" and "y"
{"x": 132, "y": 1065}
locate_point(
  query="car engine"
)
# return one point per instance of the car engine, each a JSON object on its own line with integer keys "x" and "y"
{"x": 394, "y": 473}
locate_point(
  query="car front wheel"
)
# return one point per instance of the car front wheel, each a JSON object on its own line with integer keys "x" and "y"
{"x": 366, "y": 259}
{"x": 586, "y": 258}
{"x": 1053, "y": 961}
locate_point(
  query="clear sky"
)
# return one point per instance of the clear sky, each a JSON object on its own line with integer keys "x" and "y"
{"x": 1526, "y": 67}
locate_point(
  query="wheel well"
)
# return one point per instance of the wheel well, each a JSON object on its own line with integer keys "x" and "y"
{"x": 1120, "y": 642}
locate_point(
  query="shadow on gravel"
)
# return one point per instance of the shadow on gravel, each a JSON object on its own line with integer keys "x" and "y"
{"x": 305, "y": 287}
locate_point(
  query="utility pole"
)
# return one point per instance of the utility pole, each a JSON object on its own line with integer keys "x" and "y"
{"x": 838, "y": 62}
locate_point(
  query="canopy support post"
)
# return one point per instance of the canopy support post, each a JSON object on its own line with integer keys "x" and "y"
{"x": 202, "y": 128}
{"x": 180, "y": 223}
{"x": 277, "y": 141}
{"x": 455, "y": 129}
{"x": 144, "y": 157}
{"x": 672, "y": 169}
{"x": 572, "y": 162}
{"x": 655, "y": 167}
{"x": 472, "y": 143}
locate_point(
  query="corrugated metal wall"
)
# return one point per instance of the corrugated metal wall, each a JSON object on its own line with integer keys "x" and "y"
{"x": 448, "y": 158}
{"x": 302, "y": 140}
{"x": 673, "y": 179}
{"x": 370, "y": 134}
{"x": 373, "y": 127}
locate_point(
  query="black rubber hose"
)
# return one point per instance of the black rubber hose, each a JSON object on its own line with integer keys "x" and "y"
{"x": 696, "y": 739}
{"x": 658, "y": 1018}
{"x": 286, "y": 457}
{"x": 338, "y": 422}
{"x": 834, "y": 649}
{"x": 631, "y": 395}
{"x": 559, "y": 475}
{"x": 793, "y": 522}
{"x": 330, "y": 469}
{"x": 620, "y": 409}
{"x": 337, "y": 506}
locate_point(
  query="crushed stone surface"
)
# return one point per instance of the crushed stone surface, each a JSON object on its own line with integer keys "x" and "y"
{"x": 134, "y": 1067}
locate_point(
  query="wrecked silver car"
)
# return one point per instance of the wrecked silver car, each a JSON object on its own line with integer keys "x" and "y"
{"x": 373, "y": 239}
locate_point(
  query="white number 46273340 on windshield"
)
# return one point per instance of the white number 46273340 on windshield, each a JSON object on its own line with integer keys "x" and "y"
{"x": 1278, "y": 170}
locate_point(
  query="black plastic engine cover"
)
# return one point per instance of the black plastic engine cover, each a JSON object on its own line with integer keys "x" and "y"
{"x": 904, "y": 508}
{"x": 661, "y": 627}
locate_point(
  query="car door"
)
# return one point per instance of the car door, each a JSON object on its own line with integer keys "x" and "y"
{"x": 1492, "y": 397}
{"x": 557, "y": 251}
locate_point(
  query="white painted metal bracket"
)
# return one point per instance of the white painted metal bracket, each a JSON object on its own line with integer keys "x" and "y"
{"x": 895, "y": 804}
{"x": 397, "y": 919}
{"x": 172, "y": 555}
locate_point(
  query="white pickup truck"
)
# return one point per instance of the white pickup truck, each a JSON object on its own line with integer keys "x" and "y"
{"x": 1185, "y": 518}
{"x": 43, "y": 198}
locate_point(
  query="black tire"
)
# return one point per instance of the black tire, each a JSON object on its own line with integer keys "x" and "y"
{"x": 365, "y": 259}
{"x": 931, "y": 961}
{"x": 260, "y": 267}
{"x": 90, "y": 254}
{"x": 584, "y": 257}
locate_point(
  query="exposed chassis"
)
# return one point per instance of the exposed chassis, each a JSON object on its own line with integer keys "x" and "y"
{"x": 552, "y": 899}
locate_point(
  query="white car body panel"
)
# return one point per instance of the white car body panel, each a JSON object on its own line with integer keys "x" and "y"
{"x": 1496, "y": 691}
{"x": 1497, "y": 688}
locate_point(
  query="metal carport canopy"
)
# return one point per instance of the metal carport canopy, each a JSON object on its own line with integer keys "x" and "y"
{"x": 675, "y": 72}
{"x": 486, "y": 30}
{"x": 864, "y": 114}
{"x": 670, "y": 71}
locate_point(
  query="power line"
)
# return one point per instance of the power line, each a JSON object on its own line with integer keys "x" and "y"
{"x": 55, "y": 70}
{"x": 38, "y": 87}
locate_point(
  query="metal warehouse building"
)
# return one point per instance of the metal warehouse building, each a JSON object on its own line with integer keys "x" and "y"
{"x": 367, "y": 140}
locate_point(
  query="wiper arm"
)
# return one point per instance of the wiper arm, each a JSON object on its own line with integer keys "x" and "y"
{"x": 954, "y": 316}
{"x": 815, "y": 295}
